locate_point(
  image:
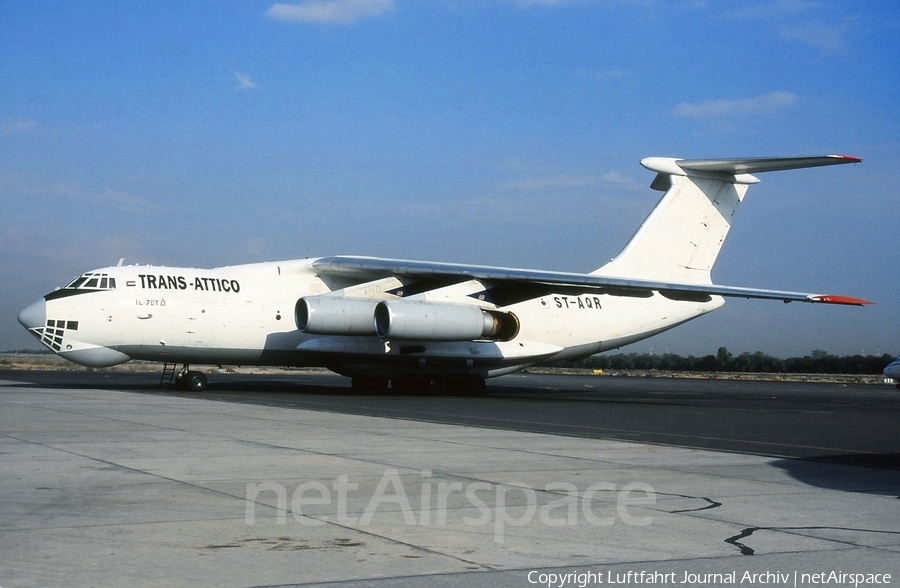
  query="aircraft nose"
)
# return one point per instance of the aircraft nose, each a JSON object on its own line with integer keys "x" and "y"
{"x": 34, "y": 316}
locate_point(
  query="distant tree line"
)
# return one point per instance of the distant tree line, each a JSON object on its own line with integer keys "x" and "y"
{"x": 817, "y": 362}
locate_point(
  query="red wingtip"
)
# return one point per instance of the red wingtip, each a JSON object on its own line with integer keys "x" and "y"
{"x": 849, "y": 158}
{"x": 831, "y": 299}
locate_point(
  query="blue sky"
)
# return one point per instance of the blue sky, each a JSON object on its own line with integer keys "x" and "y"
{"x": 504, "y": 132}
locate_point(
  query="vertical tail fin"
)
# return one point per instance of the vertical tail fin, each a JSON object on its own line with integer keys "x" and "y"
{"x": 684, "y": 233}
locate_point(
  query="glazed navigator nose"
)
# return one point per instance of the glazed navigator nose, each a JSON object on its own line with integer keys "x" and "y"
{"x": 34, "y": 316}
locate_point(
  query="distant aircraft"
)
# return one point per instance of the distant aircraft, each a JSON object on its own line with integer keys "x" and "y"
{"x": 893, "y": 371}
{"x": 418, "y": 325}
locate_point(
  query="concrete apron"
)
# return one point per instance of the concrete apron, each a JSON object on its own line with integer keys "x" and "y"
{"x": 104, "y": 488}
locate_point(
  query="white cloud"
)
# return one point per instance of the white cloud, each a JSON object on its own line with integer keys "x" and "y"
{"x": 244, "y": 81}
{"x": 611, "y": 75}
{"x": 121, "y": 201}
{"x": 774, "y": 10}
{"x": 14, "y": 126}
{"x": 528, "y": 3}
{"x": 714, "y": 109}
{"x": 39, "y": 189}
{"x": 828, "y": 37}
{"x": 255, "y": 245}
{"x": 553, "y": 183}
{"x": 330, "y": 11}
{"x": 821, "y": 36}
{"x": 565, "y": 182}
{"x": 614, "y": 4}
{"x": 618, "y": 180}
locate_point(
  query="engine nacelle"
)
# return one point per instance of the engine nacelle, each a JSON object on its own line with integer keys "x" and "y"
{"x": 434, "y": 321}
{"x": 332, "y": 315}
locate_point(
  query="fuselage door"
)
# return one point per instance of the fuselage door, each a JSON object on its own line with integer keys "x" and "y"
{"x": 200, "y": 325}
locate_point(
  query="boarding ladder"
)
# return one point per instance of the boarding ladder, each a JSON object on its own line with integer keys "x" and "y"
{"x": 167, "y": 378}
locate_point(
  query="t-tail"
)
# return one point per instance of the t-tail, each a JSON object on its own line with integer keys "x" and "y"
{"x": 684, "y": 233}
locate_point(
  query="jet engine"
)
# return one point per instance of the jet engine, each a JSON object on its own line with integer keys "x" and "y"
{"x": 333, "y": 315}
{"x": 433, "y": 321}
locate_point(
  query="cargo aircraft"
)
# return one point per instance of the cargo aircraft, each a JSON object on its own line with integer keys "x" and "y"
{"x": 415, "y": 325}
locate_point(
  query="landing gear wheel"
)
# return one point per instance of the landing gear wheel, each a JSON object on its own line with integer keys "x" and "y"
{"x": 437, "y": 385}
{"x": 191, "y": 381}
{"x": 196, "y": 381}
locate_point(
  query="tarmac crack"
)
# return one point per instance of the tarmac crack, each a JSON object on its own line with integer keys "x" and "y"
{"x": 749, "y": 531}
{"x": 287, "y": 544}
{"x": 710, "y": 503}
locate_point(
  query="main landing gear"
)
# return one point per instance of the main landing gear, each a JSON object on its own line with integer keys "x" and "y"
{"x": 457, "y": 385}
{"x": 186, "y": 380}
{"x": 190, "y": 381}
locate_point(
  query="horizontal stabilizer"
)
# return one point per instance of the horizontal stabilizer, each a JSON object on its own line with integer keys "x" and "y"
{"x": 763, "y": 164}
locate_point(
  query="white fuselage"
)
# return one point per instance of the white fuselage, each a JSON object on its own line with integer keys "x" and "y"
{"x": 244, "y": 315}
{"x": 893, "y": 370}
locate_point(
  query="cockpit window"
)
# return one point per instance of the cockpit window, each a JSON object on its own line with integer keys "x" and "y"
{"x": 92, "y": 281}
{"x": 84, "y": 284}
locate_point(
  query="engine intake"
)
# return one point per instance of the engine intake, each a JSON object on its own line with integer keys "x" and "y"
{"x": 433, "y": 321}
{"x": 331, "y": 315}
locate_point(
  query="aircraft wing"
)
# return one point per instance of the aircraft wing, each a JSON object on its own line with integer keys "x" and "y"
{"x": 532, "y": 283}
